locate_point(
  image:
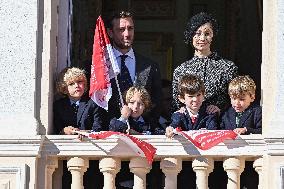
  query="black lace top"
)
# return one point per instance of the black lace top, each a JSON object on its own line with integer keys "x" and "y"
{"x": 215, "y": 72}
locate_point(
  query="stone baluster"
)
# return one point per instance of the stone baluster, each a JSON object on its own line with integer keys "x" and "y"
{"x": 77, "y": 166}
{"x": 258, "y": 166}
{"x": 171, "y": 167}
{"x": 109, "y": 167}
{"x": 139, "y": 167}
{"x": 202, "y": 167}
{"x": 234, "y": 167}
{"x": 51, "y": 165}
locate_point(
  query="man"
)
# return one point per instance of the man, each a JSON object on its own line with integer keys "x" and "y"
{"x": 142, "y": 71}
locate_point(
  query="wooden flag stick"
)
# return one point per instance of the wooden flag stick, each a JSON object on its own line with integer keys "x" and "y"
{"x": 121, "y": 100}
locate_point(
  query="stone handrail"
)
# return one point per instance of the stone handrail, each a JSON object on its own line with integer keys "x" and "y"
{"x": 49, "y": 149}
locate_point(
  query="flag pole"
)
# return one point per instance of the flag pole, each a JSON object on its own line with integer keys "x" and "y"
{"x": 100, "y": 74}
{"x": 121, "y": 100}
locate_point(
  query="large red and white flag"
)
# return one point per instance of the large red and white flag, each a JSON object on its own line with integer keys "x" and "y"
{"x": 104, "y": 67}
{"x": 206, "y": 139}
{"x": 140, "y": 147}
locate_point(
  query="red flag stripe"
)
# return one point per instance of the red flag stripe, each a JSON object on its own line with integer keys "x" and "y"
{"x": 99, "y": 79}
{"x": 204, "y": 139}
{"x": 148, "y": 150}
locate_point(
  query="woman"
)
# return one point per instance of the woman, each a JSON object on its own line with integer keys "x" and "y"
{"x": 215, "y": 71}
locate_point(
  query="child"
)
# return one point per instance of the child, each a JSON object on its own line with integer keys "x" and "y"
{"x": 193, "y": 116}
{"x": 75, "y": 111}
{"x": 137, "y": 102}
{"x": 243, "y": 117}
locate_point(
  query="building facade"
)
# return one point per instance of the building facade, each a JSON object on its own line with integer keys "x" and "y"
{"x": 31, "y": 158}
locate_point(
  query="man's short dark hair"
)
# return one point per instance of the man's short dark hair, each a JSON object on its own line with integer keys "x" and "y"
{"x": 195, "y": 22}
{"x": 117, "y": 15}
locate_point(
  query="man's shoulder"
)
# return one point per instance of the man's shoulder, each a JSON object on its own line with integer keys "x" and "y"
{"x": 143, "y": 59}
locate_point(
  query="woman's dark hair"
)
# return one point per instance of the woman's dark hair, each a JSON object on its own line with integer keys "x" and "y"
{"x": 195, "y": 22}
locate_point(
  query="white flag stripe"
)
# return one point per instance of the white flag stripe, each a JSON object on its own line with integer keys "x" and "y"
{"x": 114, "y": 65}
{"x": 132, "y": 145}
{"x": 101, "y": 97}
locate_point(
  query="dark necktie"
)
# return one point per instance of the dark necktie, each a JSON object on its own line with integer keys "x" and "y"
{"x": 125, "y": 81}
{"x": 238, "y": 118}
{"x": 75, "y": 107}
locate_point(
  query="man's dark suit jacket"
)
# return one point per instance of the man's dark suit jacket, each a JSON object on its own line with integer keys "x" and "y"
{"x": 147, "y": 74}
{"x": 204, "y": 120}
{"x": 89, "y": 116}
{"x": 251, "y": 119}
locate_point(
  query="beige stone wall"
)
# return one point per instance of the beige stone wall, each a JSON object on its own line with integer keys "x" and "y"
{"x": 18, "y": 172}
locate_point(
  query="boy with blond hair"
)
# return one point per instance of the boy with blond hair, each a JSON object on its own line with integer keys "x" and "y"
{"x": 75, "y": 111}
{"x": 244, "y": 117}
{"x": 138, "y": 101}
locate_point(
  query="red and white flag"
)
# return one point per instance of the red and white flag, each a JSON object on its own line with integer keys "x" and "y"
{"x": 206, "y": 139}
{"x": 104, "y": 67}
{"x": 142, "y": 148}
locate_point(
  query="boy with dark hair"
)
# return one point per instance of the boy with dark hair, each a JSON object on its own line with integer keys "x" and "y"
{"x": 193, "y": 116}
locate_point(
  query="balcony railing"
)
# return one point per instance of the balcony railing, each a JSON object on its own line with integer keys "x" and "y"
{"x": 170, "y": 153}
{"x": 48, "y": 151}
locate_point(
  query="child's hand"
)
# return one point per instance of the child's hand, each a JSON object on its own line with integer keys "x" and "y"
{"x": 240, "y": 130}
{"x": 211, "y": 109}
{"x": 81, "y": 137}
{"x": 69, "y": 130}
{"x": 169, "y": 132}
{"x": 132, "y": 132}
{"x": 125, "y": 112}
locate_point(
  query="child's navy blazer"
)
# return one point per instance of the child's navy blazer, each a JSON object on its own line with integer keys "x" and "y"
{"x": 251, "y": 119}
{"x": 89, "y": 116}
{"x": 204, "y": 120}
{"x": 140, "y": 127}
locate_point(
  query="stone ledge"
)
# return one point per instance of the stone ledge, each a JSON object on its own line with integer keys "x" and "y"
{"x": 249, "y": 146}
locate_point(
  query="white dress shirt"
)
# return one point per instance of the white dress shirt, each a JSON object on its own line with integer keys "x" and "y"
{"x": 129, "y": 61}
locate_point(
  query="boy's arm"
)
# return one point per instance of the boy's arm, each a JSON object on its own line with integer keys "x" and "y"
{"x": 118, "y": 125}
{"x": 99, "y": 119}
{"x": 222, "y": 125}
{"x": 57, "y": 121}
{"x": 212, "y": 122}
{"x": 257, "y": 127}
{"x": 177, "y": 120}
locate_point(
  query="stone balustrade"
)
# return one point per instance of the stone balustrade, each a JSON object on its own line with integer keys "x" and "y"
{"x": 50, "y": 150}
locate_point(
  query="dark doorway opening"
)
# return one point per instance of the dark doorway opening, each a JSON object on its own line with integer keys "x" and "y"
{"x": 159, "y": 27}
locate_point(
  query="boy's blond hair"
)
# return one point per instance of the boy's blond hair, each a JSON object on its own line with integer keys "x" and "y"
{"x": 241, "y": 85}
{"x": 69, "y": 75}
{"x": 190, "y": 84}
{"x": 145, "y": 97}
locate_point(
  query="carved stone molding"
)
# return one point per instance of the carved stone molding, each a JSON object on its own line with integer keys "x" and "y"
{"x": 13, "y": 177}
{"x": 153, "y": 9}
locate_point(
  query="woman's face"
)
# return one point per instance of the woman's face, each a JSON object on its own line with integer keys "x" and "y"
{"x": 203, "y": 38}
